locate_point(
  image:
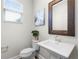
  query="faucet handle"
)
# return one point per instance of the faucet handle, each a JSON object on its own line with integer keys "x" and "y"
{"x": 56, "y": 38}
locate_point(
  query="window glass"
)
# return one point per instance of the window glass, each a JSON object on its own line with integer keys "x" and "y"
{"x": 13, "y": 10}
{"x": 12, "y": 16}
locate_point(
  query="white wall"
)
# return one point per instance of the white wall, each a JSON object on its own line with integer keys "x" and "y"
{"x": 17, "y": 36}
{"x": 40, "y": 4}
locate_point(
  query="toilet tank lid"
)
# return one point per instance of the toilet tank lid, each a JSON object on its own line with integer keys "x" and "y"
{"x": 27, "y": 50}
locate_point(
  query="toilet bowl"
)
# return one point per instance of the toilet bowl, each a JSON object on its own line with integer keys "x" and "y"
{"x": 29, "y": 52}
{"x": 26, "y": 52}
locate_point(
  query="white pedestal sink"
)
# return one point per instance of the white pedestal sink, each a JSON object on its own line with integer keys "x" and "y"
{"x": 60, "y": 48}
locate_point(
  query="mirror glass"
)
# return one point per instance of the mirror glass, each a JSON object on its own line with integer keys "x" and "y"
{"x": 59, "y": 16}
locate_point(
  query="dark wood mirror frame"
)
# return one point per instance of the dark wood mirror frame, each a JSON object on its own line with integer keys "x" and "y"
{"x": 71, "y": 19}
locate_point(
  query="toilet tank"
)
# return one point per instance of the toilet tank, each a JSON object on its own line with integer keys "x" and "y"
{"x": 34, "y": 44}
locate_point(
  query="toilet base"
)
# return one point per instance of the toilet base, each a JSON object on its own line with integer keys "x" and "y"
{"x": 26, "y": 58}
{"x": 36, "y": 57}
{"x": 29, "y": 57}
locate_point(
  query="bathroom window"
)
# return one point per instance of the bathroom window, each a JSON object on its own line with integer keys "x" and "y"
{"x": 13, "y": 11}
{"x": 12, "y": 16}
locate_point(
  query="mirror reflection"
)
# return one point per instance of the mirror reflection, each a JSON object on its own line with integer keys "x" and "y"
{"x": 59, "y": 16}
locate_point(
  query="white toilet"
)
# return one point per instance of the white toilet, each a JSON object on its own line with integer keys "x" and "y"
{"x": 28, "y": 52}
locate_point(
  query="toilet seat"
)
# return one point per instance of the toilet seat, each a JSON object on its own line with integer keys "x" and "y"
{"x": 26, "y": 52}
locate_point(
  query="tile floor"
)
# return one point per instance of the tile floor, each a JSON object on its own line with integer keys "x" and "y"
{"x": 18, "y": 57}
{"x": 24, "y": 58}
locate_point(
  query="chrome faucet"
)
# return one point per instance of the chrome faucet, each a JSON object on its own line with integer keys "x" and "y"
{"x": 56, "y": 38}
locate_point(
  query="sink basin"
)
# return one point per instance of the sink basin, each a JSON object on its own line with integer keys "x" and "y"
{"x": 63, "y": 49}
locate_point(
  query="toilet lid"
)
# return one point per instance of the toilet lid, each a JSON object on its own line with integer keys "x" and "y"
{"x": 27, "y": 50}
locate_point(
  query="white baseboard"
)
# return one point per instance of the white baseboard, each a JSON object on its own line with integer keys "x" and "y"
{"x": 15, "y": 57}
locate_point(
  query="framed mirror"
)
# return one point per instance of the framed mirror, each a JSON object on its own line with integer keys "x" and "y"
{"x": 61, "y": 17}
